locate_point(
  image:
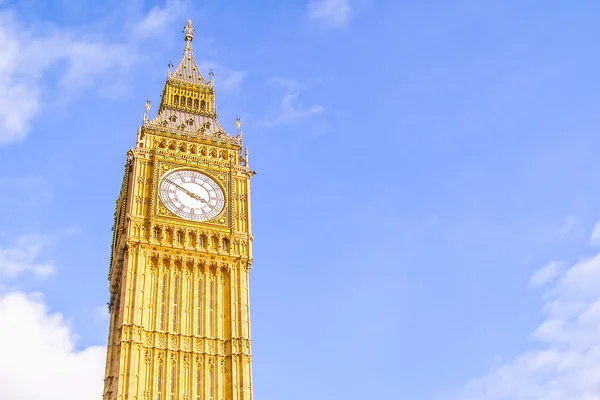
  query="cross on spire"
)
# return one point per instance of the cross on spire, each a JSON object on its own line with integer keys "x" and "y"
{"x": 189, "y": 31}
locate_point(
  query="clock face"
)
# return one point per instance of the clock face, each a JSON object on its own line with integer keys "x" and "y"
{"x": 191, "y": 195}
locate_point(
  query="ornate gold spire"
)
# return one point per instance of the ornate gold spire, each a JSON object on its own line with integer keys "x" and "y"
{"x": 188, "y": 70}
{"x": 187, "y": 106}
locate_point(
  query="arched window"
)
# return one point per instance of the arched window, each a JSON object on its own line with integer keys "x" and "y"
{"x": 176, "y": 100}
{"x": 189, "y": 102}
{"x": 202, "y": 104}
{"x": 196, "y": 104}
{"x": 225, "y": 244}
{"x": 182, "y": 101}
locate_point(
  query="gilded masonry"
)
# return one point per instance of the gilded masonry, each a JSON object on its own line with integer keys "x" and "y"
{"x": 181, "y": 253}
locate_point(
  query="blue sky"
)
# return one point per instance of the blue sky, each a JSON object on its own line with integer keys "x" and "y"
{"x": 425, "y": 206}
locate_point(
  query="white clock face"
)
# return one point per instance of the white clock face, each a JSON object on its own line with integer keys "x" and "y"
{"x": 191, "y": 195}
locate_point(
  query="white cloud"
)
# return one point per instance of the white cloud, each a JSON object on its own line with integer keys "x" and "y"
{"x": 290, "y": 111}
{"x": 335, "y": 13}
{"x": 545, "y": 275}
{"x": 39, "y": 357}
{"x": 38, "y": 354}
{"x": 27, "y": 60}
{"x": 23, "y": 257}
{"x": 565, "y": 363}
{"x": 33, "y": 64}
{"x": 225, "y": 79}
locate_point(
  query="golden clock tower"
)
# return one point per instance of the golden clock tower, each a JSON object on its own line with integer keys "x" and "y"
{"x": 181, "y": 253}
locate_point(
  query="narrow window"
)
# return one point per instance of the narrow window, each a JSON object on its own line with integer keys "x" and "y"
{"x": 202, "y": 241}
{"x": 211, "y": 294}
{"x": 189, "y": 102}
{"x": 196, "y": 104}
{"x": 199, "y": 383}
{"x": 187, "y": 373}
{"x": 162, "y": 303}
{"x": 182, "y": 101}
{"x": 156, "y": 233}
{"x": 225, "y": 244}
{"x": 210, "y": 385}
{"x": 199, "y": 311}
{"x": 172, "y": 379}
{"x": 175, "y": 302}
{"x": 176, "y": 100}
{"x": 152, "y": 299}
{"x": 159, "y": 384}
{"x": 202, "y": 104}
{"x": 179, "y": 237}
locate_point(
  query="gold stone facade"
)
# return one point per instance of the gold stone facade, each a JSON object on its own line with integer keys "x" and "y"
{"x": 179, "y": 286}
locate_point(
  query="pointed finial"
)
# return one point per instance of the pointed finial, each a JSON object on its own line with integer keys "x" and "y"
{"x": 238, "y": 127}
{"x": 189, "y": 31}
{"x": 211, "y": 74}
{"x": 246, "y": 157}
{"x": 170, "y": 66}
{"x": 147, "y": 109}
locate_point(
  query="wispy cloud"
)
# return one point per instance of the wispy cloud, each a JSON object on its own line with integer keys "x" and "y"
{"x": 595, "y": 236}
{"x": 334, "y": 13}
{"x": 226, "y": 79}
{"x": 290, "y": 110}
{"x": 567, "y": 227}
{"x": 545, "y": 275}
{"x": 22, "y": 257}
{"x": 158, "y": 18}
{"x": 565, "y": 363}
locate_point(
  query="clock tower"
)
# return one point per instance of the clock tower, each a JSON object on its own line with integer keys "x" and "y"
{"x": 181, "y": 253}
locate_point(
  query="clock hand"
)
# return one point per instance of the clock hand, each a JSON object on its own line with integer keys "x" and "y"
{"x": 191, "y": 194}
{"x": 184, "y": 190}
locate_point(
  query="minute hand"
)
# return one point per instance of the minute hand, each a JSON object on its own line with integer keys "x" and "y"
{"x": 191, "y": 194}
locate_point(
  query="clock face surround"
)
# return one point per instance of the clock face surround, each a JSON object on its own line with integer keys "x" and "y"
{"x": 191, "y": 195}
